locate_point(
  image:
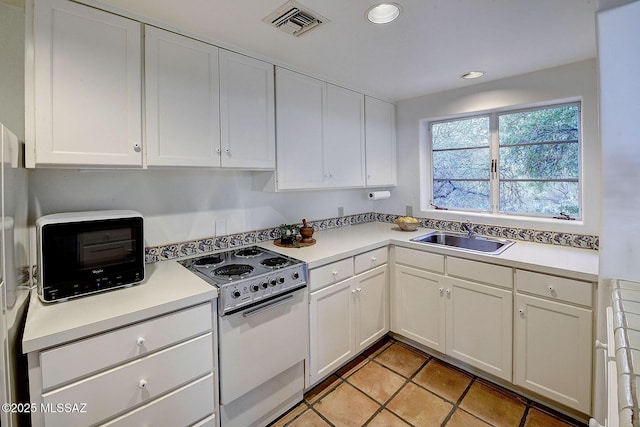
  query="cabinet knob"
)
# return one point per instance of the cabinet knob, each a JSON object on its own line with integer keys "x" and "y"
{"x": 374, "y": 259}
{"x": 521, "y": 311}
{"x": 137, "y": 148}
{"x": 142, "y": 384}
{"x": 353, "y": 291}
{"x": 441, "y": 290}
{"x": 227, "y": 150}
{"x": 448, "y": 291}
{"x": 140, "y": 341}
{"x": 359, "y": 289}
{"x": 218, "y": 150}
{"x": 550, "y": 288}
{"x": 335, "y": 274}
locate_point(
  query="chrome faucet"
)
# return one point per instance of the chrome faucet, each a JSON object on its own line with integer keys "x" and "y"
{"x": 469, "y": 227}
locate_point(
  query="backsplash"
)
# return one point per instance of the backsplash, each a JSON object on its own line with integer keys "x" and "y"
{"x": 183, "y": 249}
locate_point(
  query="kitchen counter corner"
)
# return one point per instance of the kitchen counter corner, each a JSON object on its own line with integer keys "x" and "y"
{"x": 168, "y": 287}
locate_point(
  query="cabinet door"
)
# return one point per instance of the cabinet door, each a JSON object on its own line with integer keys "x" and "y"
{"x": 331, "y": 335}
{"x": 182, "y": 100}
{"x": 380, "y": 142}
{"x": 247, "y": 118}
{"x": 553, "y": 346}
{"x": 299, "y": 124}
{"x": 479, "y": 326}
{"x": 87, "y": 84}
{"x": 419, "y": 306}
{"x": 344, "y": 138}
{"x": 371, "y": 307}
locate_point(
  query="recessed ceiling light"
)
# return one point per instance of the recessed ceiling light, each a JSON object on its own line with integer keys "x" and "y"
{"x": 383, "y": 13}
{"x": 472, "y": 74}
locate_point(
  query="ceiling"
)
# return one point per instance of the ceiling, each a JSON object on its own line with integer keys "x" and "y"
{"x": 424, "y": 51}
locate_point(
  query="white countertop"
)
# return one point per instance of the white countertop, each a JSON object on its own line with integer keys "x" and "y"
{"x": 168, "y": 286}
{"x": 338, "y": 243}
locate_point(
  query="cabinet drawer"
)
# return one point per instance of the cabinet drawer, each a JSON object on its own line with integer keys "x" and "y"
{"x": 419, "y": 259}
{"x": 369, "y": 260}
{"x": 554, "y": 287}
{"x": 65, "y": 363}
{"x": 480, "y": 272}
{"x": 185, "y": 406}
{"x": 330, "y": 273}
{"x": 129, "y": 385}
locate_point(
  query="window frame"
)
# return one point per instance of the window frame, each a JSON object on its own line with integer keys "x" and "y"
{"x": 494, "y": 149}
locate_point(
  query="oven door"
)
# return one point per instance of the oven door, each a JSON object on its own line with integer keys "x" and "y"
{"x": 261, "y": 342}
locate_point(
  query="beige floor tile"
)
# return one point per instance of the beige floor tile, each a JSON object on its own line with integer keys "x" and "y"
{"x": 493, "y": 406}
{"x": 323, "y": 388}
{"x": 377, "y": 381}
{"x": 309, "y": 419}
{"x": 537, "y": 418}
{"x": 297, "y": 410}
{"x": 346, "y": 406}
{"x": 443, "y": 380}
{"x": 419, "y": 407}
{"x": 402, "y": 360}
{"x": 387, "y": 419}
{"x": 461, "y": 418}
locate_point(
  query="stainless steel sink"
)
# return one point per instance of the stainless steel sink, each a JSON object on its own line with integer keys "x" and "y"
{"x": 465, "y": 242}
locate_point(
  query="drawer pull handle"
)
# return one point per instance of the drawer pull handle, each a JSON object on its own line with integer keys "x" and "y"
{"x": 140, "y": 341}
{"x": 142, "y": 384}
{"x": 335, "y": 273}
{"x": 374, "y": 259}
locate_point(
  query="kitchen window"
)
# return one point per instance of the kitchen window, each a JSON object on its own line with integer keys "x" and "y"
{"x": 523, "y": 162}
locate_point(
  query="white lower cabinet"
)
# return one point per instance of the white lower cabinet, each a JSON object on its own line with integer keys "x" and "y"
{"x": 345, "y": 318}
{"x": 156, "y": 371}
{"x": 463, "y": 319}
{"x": 478, "y": 323}
{"x": 554, "y": 339}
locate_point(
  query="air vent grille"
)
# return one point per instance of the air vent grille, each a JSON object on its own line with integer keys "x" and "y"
{"x": 294, "y": 19}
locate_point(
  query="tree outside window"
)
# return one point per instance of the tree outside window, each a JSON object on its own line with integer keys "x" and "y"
{"x": 518, "y": 162}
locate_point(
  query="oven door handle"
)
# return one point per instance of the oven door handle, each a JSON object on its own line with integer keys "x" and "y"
{"x": 269, "y": 306}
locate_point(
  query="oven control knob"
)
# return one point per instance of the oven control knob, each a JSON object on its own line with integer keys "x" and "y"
{"x": 264, "y": 285}
{"x": 273, "y": 282}
{"x": 236, "y": 294}
{"x": 295, "y": 276}
{"x": 255, "y": 287}
{"x": 280, "y": 279}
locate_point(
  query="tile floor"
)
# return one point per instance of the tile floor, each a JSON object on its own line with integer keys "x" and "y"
{"x": 393, "y": 384}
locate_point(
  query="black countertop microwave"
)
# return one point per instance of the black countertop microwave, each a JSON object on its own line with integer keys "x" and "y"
{"x": 81, "y": 253}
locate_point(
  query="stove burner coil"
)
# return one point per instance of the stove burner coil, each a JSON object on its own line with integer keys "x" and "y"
{"x": 233, "y": 271}
{"x": 275, "y": 262}
{"x": 208, "y": 261}
{"x": 248, "y": 253}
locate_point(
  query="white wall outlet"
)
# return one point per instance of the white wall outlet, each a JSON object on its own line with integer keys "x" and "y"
{"x": 221, "y": 227}
{"x": 341, "y": 211}
{"x": 409, "y": 210}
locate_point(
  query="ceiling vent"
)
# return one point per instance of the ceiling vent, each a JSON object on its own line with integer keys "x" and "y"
{"x": 294, "y": 19}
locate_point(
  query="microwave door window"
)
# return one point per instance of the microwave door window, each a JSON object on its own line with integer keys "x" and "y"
{"x": 104, "y": 248}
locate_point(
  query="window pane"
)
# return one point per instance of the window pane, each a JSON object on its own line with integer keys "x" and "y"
{"x": 543, "y": 125}
{"x": 473, "y": 132}
{"x": 461, "y": 164}
{"x": 548, "y": 198}
{"x": 547, "y": 161}
{"x": 461, "y": 194}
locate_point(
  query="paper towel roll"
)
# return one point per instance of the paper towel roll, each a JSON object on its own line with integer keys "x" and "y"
{"x": 378, "y": 195}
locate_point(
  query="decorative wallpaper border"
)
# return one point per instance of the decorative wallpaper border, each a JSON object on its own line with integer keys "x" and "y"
{"x": 209, "y": 244}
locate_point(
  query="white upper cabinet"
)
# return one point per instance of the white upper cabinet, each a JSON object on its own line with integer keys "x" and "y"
{"x": 247, "y": 117}
{"x": 381, "y": 142}
{"x": 320, "y": 134}
{"x": 85, "y": 76}
{"x": 300, "y": 125}
{"x": 344, "y": 138}
{"x": 182, "y": 100}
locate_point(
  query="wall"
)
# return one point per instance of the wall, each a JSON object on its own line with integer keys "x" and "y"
{"x": 578, "y": 80}
{"x": 182, "y": 204}
{"x": 12, "y": 68}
